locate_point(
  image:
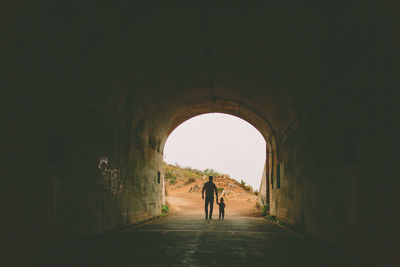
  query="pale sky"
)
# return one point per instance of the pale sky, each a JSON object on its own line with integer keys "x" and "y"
{"x": 222, "y": 142}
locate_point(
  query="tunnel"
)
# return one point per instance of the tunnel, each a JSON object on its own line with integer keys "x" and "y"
{"x": 92, "y": 92}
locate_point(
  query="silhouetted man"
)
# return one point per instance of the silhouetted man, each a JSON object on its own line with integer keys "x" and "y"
{"x": 210, "y": 188}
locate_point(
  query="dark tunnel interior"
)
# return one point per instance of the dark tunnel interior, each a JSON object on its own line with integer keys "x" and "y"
{"x": 92, "y": 92}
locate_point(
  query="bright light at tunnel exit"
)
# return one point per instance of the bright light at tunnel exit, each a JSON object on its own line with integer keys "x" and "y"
{"x": 225, "y": 143}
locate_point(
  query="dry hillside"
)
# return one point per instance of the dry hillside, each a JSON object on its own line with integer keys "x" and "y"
{"x": 184, "y": 185}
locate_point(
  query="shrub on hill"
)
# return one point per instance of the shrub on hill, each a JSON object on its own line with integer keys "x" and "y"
{"x": 244, "y": 186}
{"x": 164, "y": 210}
{"x": 190, "y": 180}
{"x": 212, "y": 172}
{"x": 194, "y": 171}
{"x": 169, "y": 175}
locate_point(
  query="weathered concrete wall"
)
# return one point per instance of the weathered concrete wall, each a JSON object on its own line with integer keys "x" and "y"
{"x": 262, "y": 191}
{"x": 333, "y": 178}
{"x": 76, "y": 178}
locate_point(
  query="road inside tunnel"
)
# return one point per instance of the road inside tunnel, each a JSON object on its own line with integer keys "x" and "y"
{"x": 193, "y": 241}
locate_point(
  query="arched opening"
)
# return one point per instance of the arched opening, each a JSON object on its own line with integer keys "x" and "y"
{"x": 222, "y": 145}
{"x": 144, "y": 130}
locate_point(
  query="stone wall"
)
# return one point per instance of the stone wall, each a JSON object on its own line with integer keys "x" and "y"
{"x": 331, "y": 183}
{"x": 262, "y": 192}
{"x": 75, "y": 179}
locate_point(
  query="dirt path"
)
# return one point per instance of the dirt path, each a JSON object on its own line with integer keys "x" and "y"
{"x": 184, "y": 203}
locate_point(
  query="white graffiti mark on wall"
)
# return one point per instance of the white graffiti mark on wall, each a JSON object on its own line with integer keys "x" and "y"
{"x": 110, "y": 178}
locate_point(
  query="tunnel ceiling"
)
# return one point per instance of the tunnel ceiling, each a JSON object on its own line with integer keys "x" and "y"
{"x": 265, "y": 63}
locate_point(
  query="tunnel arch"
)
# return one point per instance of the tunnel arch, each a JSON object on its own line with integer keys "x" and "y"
{"x": 148, "y": 126}
{"x": 203, "y": 87}
{"x": 155, "y": 131}
{"x": 199, "y": 95}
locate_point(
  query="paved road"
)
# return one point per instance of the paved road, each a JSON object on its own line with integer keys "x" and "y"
{"x": 192, "y": 241}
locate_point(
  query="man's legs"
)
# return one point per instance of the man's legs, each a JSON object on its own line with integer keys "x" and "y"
{"x": 220, "y": 213}
{"x": 223, "y": 213}
{"x": 211, "y": 207}
{"x": 206, "y": 206}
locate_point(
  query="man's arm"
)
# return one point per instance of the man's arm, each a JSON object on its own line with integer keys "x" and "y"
{"x": 202, "y": 191}
{"x": 216, "y": 192}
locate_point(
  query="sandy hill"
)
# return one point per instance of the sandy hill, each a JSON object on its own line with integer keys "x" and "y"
{"x": 184, "y": 185}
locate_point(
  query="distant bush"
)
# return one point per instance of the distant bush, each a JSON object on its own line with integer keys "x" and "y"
{"x": 220, "y": 189}
{"x": 244, "y": 186}
{"x": 198, "y": 172}
{"x": 211, "y": 172}
{"x": 190, "y": 180}
{"x": 255, "y": 193}
{"x": 164, "y": 210}
{"x": 169, "y": 175}
{"x": 172, "y": 180}
{"x": 271, "y": 217}
{"x": 194, "y": 171}
{"x": 177, "y": 165}
{"x": 265, "y": 210}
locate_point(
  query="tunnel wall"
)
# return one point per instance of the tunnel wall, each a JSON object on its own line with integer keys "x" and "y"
{"x": 74, "y": 177}
{"x": 333, "y": 180}
{"x": 262, "y": 191}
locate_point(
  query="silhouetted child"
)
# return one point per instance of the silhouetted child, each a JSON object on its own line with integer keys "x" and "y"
{"x": 221, "y": 205}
